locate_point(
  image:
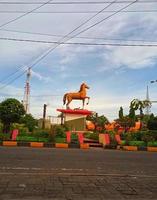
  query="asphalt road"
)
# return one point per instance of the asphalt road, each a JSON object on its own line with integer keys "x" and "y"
{"x": 69, "y": 174}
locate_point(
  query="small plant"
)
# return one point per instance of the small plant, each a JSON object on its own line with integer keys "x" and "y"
{"x": 60, "y": 130}
{"x": 74, "y": 136}
{"x": 152, "y": 144}
{"x": 91, "y": 135}
{"x": 40, "y": 133}
{"x": 123, "y": 142}
{"x": 60, "y": 140}
{"x": 5, "y": 136}
{"x": 137, "y": 143}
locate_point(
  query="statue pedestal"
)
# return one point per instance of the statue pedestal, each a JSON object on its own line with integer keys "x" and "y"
{"x": 75, "y": 119}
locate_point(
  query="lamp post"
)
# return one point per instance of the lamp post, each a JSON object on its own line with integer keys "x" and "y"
{"x": 148, "y": 99}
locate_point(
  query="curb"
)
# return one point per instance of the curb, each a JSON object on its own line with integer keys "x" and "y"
{"x": 61, "y": 145}
{"x": 84, "y": 146}
{"x": 42, "y": 145}
{"x": 81, "y": 146}
{"x": 130, "y": 148}
{"x": 152, "y": 149}
{"x": 9, "y": 143}
{"x": 36, "y": 144}
{"x": 138, "y": 148}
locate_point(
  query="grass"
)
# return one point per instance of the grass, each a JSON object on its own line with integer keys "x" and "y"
{"x": 60, "y": 140}
{"x": 31, "y": 139}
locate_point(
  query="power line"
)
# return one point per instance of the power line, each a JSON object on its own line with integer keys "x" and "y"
{"x": 83, "y": 37}
{"x": 27, "y": 13}
{"x": 118, "y": 11}
{"x": 17, "y": 18}
{"x": 75, "y": 2}
{"x": 79, "y": 12}
{"x": 10, "y": 75}
{"x": 80, "y": 43}
{"x": 53, "y": 48}
{"x": 32, "y": 96}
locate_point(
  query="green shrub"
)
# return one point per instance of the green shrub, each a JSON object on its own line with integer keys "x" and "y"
{"x": 43, "y": 140}
{"x": 27, "y": 139}
{"x": 152, "y": 144}
{"x": 21, "y": 127}
{"x": 123, "y": 142}
{"x": 74, "y": 136}
{"x": 132, "y": 136}
{"x": 137, "y": 143}
{"x": 5, "y": 136}
{"x": 31, "y": 139}
{"x": 91, "y": 135}
{"x": 152, "y": 124}
{"x": 60, "y": 130}
{"x": 51, "y": 138}
{"x": 112, "y": 137}
{"x": 149, "y": 136}
{"x": 60, "y": 140}
{"x": 39, "y": 133}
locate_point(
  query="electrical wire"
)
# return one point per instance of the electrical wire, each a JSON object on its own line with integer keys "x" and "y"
{"x": 83, "y": 37}
{"x": 27, "y": 13}
{"x": 75, "y": 2}
{"x": 51, "y": 49}
{"x": 79, "y": 12}
{"x": 79, "y": 43}
{"x": 32, "y": 96}
{"x": 108, "y": 17}
{"x": 13, "y": 20}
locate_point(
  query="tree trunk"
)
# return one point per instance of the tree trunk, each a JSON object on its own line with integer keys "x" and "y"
{"x": 6, "y": 127}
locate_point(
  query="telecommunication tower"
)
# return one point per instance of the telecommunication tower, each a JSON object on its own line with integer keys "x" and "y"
{"x": 26, "y": 98}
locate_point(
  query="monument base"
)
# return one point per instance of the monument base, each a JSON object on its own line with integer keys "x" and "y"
{"x": 75, "y": 119}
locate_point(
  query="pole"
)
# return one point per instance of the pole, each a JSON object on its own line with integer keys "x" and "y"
{"x": 44, "y": 116}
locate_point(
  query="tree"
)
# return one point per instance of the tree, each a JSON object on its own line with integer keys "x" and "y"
{"x": 29, "y": 121}
{"x": 11, "y": 110}
{"x": 126, "y": 122}
{"x": 132, "y": 115}
{"x": 137, "y": 104}
{"x": 99, "y": 121}
{"x": 152, "y": 123}
{"x": 121, "y": 115}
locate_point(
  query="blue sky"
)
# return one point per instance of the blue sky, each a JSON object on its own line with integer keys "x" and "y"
{"x": 115, "y": 74}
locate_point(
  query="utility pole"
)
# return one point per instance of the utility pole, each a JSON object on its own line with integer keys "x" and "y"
{"x": 148, "y": 108}
{"x": 26, "y": 98}
{"x": 44, "y": 116}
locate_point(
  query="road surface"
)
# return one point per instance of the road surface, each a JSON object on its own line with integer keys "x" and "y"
{"x": 75, "y": 174}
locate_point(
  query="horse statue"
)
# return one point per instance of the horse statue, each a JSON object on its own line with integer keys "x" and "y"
{"x": 80, "y": 95}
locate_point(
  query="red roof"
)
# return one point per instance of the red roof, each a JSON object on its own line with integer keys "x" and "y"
{"x": 78, "y": 112}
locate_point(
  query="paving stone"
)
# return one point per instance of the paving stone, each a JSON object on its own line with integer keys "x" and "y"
{"x": 84, "y": 188}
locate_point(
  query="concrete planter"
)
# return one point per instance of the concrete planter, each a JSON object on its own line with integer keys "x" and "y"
{"x": 61, "y": 145}
{"x": 9, "y": 143}
{"x": 36, "y": 144}
{"x": 152, "y": 149}
{"x": 84, "y": 146}
{"x": 130, "y": 148}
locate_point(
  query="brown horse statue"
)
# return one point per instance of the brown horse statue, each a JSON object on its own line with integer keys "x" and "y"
{"x": 80, "y": 95}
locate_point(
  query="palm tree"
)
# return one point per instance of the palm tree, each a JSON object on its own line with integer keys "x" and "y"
{"x": 137, "y": 104}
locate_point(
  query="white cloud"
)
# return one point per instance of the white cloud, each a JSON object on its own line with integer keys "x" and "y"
{"x": 129, "y": 57}
{"x": 41, "y": 77}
